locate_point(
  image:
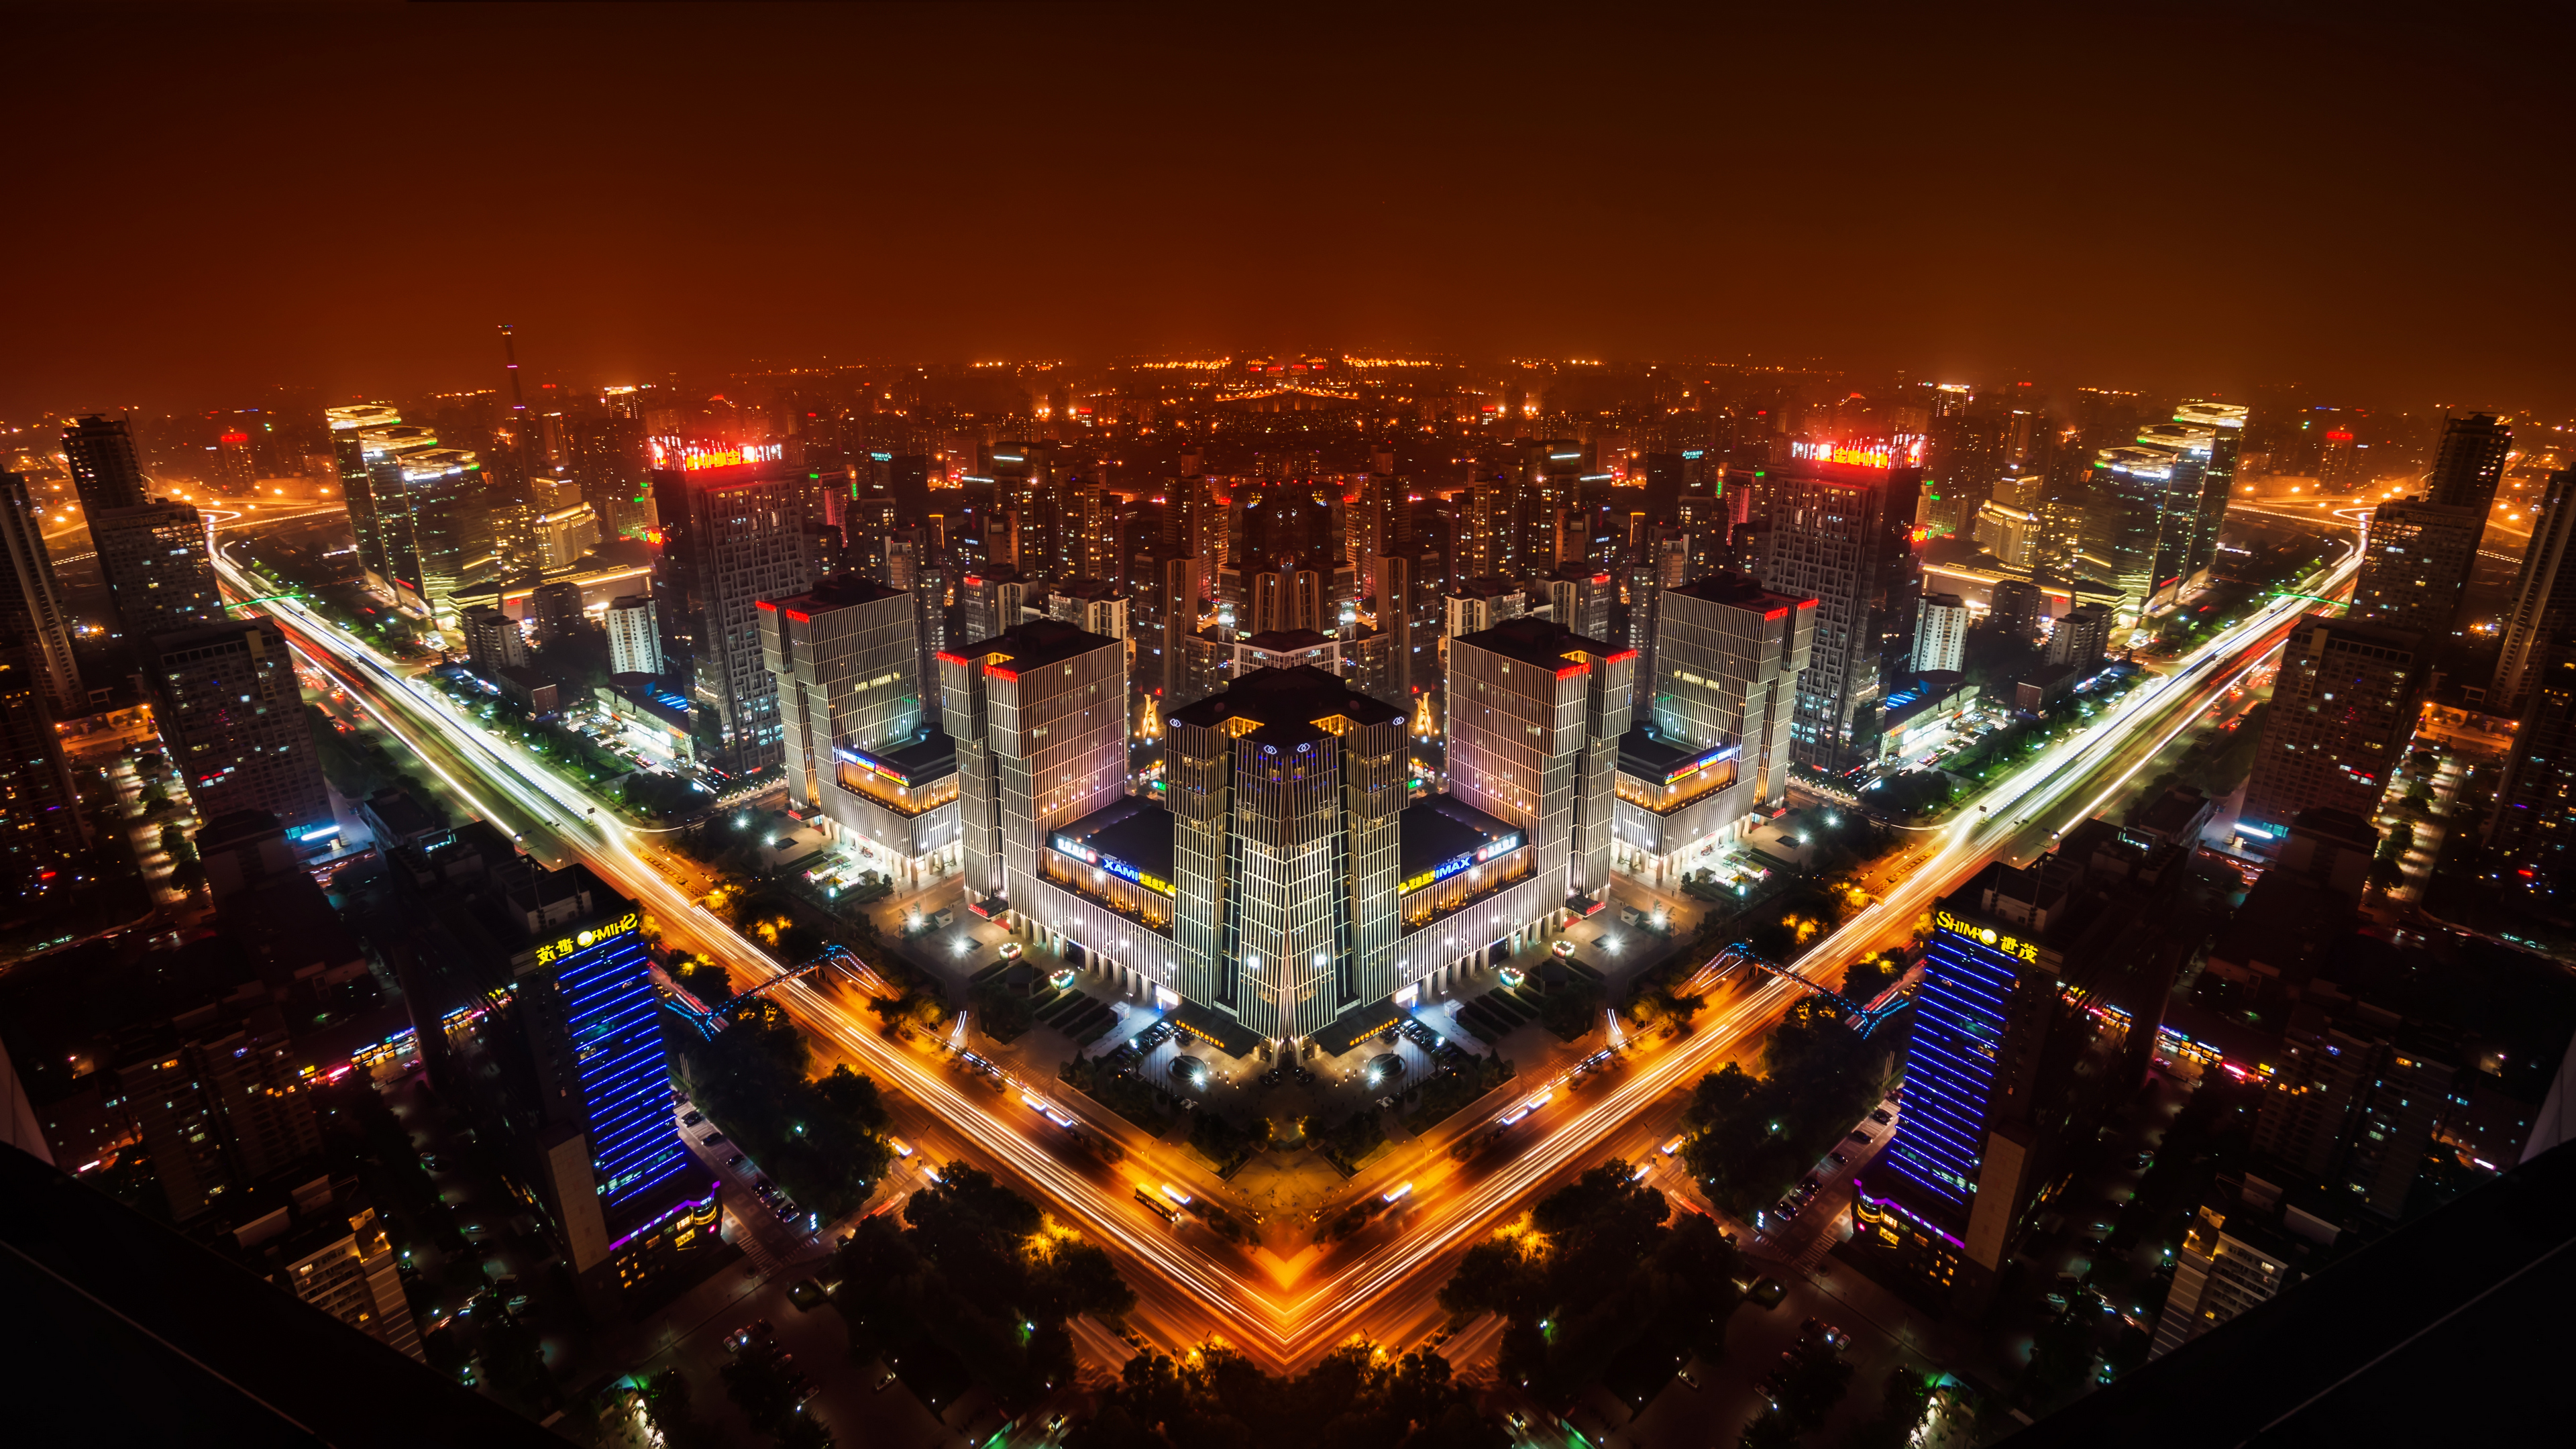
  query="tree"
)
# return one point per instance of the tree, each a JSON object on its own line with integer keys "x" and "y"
{"x": 1902, "y": 1407}
{"x": 758, "y": 1381}
{"x": 1813, "y": 1381}
{"x": 1770, "y": 1429}
{"x": 804, "y": 1432}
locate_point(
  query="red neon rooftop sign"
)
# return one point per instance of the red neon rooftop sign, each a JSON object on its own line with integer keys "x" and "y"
{"x": 1874, "y": 456}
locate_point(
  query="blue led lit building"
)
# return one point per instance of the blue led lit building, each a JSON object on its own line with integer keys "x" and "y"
{"x": 1943, "y": 1196}
{"x": 536, "y": 1014}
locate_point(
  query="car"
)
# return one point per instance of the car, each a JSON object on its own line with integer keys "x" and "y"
{"x": 786, "y": 1212}
{"x": 898, "y": 1146}
{"x": 737, "y": 1160}
{"x": 1817, "y": 1330}
{"x": 1810, "y": 1184}
{"x": 1837, "y": 1159}
{"x": 714, "y": 1139}
{"x": 743, "y": 1337}
{"x": 693, "y": 1118}
{"x": 1518, "y": 1420}
{"x": 1686, "y": 1376}
{"x": 883, "y": 1382}
{"x": 1881, "y": 1117}
{"x": 1860, "y": 1137}
{"x": 1768, "y": 1292}
{"x": 1055, "y": 1426}
{"x": 806, "y": 1294}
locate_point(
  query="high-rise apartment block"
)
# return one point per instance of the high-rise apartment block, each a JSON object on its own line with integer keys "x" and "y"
{"x": 2415, "y": 564}
{"x": 1842, "y": 533}
{"x": 159, "y": 571}
{"x": 327, "y": 1246}
{"x": 2235, "y": 1257}
{"x": 492, "y": 639}
{"x": 105, "y": 472}
{"x": 1579, "y": 599}
{"x": 2081, "y": 636}
{"x": 2469, "y": 463}
{"x": 858, "y": 747}
{"x": 1940, "y": 633}
{"x": 2342, "y": 712}
{"x": 733, "y": 533}
{"x": 634, "y": 639}
{"x": 232, "y": 719}
{"x": 31, "y": 606}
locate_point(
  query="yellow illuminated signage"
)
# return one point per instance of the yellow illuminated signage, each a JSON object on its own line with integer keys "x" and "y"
{"x": 1987, "y": 936}
{"x": 554, "y": 950}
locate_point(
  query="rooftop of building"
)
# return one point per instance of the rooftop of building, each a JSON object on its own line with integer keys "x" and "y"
{"x": 1649, "y": 756}
{"x": 1542, "y": 642}
{"x": 2378, "y": 1348}
{"x": 1281, "y": 706}
{"x": 1033, "y": 645}
{"x": 228, "y": 1358}
{"x": 1738, "y": 591}
{"x": 1132, "y": 829}
{"x": 2340, "y": 826}
{"x": 648, "y": 693}
{"x": 927, "y": 757}
{"x": 837, "y": 591}
{"x": 1288, "y": 641}
{"x": 2174, "y": 813}
{"x": 1487, "y": 589}
{"x": 1439, "y": 829}
{"x": 1931, "y": 690}
{"x": 1092, "y": 589}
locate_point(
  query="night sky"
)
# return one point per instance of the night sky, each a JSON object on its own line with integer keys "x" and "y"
{"x": 213, "y": 200}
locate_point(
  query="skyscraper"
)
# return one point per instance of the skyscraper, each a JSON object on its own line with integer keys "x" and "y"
{"x": 1039, "y": 713}
{"x": 451, "y": 527}
{"x": 1284, "y": 793}
{"x": 855, "y": 737}
{"x": 1842, "y": 534}
{"x": 105, "y": 471}
{"x": 2225, "y": 424}
{"x": 31, "y": 608}
{"x": 1728, "y": 654}
{"x": 2469, "y": 463}
{"x": 492, "y": 638}
{"x": 232, "y": 719}
{"x": 159, "y": 573}
{"x": 733, "y": 533}
{"x": 2544, "y": 595}
{"x": 2342, "y": 712}
{"x": 2533, "y": 829}
{"x": 349, "y": 427}
{"x": 537, "y": 1013}
{"x": 2415, "y": 564}
{"x": 1535, "y": 715}
{"x": 1940, "y": 633}
{"x": 1579, "y": 598}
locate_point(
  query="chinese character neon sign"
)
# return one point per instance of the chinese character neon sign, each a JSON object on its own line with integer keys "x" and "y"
{"x": 695, "y": 457}
{"x": 1871, "y": 457}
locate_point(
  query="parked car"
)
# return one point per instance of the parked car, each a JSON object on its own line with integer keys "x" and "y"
{"x": 1768, "y": 1293}
{"x": 693, "y": 1118}
{"x": 1881, "y": 1117}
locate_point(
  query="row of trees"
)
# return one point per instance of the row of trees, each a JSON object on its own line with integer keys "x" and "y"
{"x": 975, "y": 1272}
{"x": 1357, "y": 1398}
{"x": 821, "y": 1140}
{"x": 1753, "y": 1136}
{"x": 1598, "y": 1269}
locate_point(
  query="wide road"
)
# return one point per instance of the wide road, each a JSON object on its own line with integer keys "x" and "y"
{"x": 1381, "y": 1282}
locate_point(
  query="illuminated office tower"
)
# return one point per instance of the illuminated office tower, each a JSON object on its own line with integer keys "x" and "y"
{"x": 1842, "y": 534}
{"x": 159, "y": 570}
{"x": 1957, "y": 1172}
{"x": 232, "y": 721}
{"x": 536, "y": 1010}
{"x": 991, "y": 600}
{"x": 634, "y": 640}
{"x": 852, "y": 726}
{"x": 2415, "y": 564}
{"x": 1284, "y": 793}
{"x": 1940, "y": 633}
{"x": 31, "y": 607}
{"x": 1094, "y": 606}
{"x": 733, "y": 533}
{"x": 1712, "y": 744}
{"x": 2470, "y": 462}
{"x": 349, "y": 428}
{"x": 381, "y": 451}
{"x": 2180, "y": 512}
{"x": 451, "y": 527}
{"x": 105, "y": 471}
{"x": 1039, "y": 713}
{"x": 2544, "y": 595}
{"x": 2130, "y": 487}
{"x": 2342, "y": 712}
{"x": 2225, "y": 423}
{"x": 1535, "y": 716}
{"x": 566, "y": 534}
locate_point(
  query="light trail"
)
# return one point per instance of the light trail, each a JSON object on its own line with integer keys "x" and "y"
{"x": 1286, "y": 1331}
